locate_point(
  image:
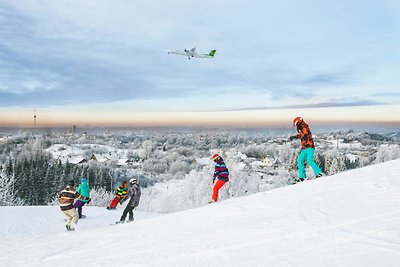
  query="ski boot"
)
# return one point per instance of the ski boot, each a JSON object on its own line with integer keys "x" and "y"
{"x": 298, "y": 180}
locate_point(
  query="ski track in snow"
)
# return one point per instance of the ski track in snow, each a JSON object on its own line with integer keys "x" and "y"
{"x": 349, "y": 219}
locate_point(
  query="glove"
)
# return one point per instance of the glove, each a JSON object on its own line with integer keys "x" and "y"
{"x": 213, "y": 180}
{"x": 89, "y": 200}
{"x": 292, "y": 137}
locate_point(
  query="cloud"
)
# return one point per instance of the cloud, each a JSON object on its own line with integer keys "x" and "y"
{"x": 331, "y": 104}
{"x": 327, "y": 79}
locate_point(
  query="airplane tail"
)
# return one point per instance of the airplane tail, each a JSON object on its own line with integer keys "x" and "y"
{"x": 212, "y": 53}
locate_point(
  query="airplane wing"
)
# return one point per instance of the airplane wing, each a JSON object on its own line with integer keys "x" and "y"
{"x": 176, "y": 52}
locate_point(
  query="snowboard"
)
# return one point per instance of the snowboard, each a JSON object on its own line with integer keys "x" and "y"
{"x": 119, "y": 222}
{"x": 296, "y": 181}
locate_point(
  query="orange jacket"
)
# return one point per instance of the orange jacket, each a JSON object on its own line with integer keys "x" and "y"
{"x": 305, "y": 135}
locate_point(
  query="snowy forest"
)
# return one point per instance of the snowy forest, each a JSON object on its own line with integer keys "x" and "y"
{"x": 173, "y": 168}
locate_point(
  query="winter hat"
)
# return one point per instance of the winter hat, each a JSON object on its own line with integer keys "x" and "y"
{"x": 133, "y": 181}
{"x": 214, "y": 157}
{"x": 296, "y": 120}
{"x": 71, "y": 183}
{"x": 83, "y": 180}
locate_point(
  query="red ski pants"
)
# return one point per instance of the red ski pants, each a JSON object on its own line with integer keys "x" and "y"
{"x": 217, "y": 186}
{"x": 114, "y": 202}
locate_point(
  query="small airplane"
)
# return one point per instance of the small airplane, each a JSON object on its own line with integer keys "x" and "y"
{"x": 192, "y": 53}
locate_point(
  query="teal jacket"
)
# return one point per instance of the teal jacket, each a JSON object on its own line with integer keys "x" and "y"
{"x": 83, "y": 190}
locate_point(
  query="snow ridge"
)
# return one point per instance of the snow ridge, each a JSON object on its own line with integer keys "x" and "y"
{"x": 348, "y": 219}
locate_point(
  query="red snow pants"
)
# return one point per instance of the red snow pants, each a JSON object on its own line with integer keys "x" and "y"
{"x": 217, "y": 186}
{"x": 114, "y": 202}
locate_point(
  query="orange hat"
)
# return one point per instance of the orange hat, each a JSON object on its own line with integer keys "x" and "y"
{"x": 296, "y": 120}
{"x": 214, "y": 157}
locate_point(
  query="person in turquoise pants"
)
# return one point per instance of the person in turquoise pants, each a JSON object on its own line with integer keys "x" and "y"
{"x": 307, "y": 149}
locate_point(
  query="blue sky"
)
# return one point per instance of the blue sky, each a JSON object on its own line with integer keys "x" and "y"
{"x": 106, "y": 59}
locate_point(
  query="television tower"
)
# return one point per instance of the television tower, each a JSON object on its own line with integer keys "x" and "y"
{"x": 34, "y": 119}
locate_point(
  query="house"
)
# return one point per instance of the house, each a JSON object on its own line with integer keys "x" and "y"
{"x": 257, "y": 164}
{"x": 99, "y": 158}
{"x": 125, "y": 162}
{"x": 242, "y": 156}
{"x": 266, "y": 162}
{"x": 353, "y": 158}
{"x": 79, "y": 159}
{"x": 112, "y": 156}
{"x": 162, "y": 148}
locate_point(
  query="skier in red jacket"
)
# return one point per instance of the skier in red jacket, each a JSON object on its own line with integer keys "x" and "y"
{"x": 120, "y": 193}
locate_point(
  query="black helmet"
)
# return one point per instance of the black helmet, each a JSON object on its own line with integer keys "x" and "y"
{"x": 133, "y": 181}
{"x": 71, "y": 183}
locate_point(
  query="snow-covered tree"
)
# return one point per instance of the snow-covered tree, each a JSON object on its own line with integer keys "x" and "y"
{"x": 7, "y": 193}
{"x": 387, "y": 152}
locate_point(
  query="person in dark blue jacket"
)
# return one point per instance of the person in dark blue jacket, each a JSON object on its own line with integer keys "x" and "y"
{"x": 221, "y": 173}
{"x": 134, "y": 199}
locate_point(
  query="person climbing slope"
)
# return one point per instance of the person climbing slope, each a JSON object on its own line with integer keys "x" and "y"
{"x": 307, "y": 149}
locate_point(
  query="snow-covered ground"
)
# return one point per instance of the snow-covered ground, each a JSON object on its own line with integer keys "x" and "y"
{"x": 49, "y": 220}
{"x": 349, "y": 219}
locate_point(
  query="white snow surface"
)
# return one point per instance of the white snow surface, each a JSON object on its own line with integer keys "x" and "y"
{"x": 348, "y": 219}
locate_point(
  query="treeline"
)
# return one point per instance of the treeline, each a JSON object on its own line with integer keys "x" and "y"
{"x": 38, "y": 179}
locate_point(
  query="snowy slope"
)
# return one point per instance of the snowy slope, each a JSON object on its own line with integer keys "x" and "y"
{"x": 349, "y": 219}
{"x": 47, "y": 220}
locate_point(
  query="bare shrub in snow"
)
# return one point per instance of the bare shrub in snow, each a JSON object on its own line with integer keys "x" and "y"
{"x": 100, "y": 197}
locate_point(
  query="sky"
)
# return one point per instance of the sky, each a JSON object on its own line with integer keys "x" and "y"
{"x": 103, "y": 63}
